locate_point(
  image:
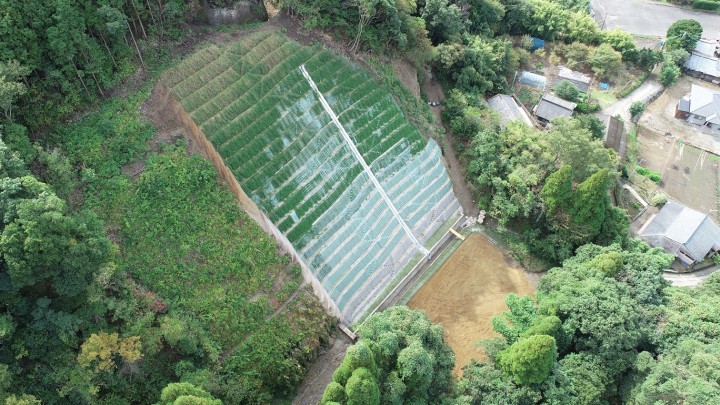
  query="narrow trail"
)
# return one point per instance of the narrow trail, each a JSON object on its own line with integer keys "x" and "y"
{"x": 434, "y": 92}
{"x": 275, "y": 313}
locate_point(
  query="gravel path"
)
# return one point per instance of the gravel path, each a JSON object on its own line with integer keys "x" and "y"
{"x": 689, "y": 279}
{"x": 650, "y": 88}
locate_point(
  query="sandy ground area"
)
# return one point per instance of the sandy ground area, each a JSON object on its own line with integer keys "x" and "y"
{"x": 466, "y": 292}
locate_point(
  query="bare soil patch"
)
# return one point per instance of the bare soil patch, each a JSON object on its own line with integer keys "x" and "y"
{"x": 466, "y": 292}
{"x": 407, "y": 74}
{"x": 689, "y": 174}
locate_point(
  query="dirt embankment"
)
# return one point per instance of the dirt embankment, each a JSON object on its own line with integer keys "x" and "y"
{"x": 467, "y": 291}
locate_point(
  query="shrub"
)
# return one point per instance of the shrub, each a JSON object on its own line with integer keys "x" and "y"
{"x": 659, "y": 199}
{"x": 669, "y": 74}
{"x": 706, "y": 5}
{"x": 652, "y": 175}
{"x": 567, "y": 91}
{"x": 636, "y": 108}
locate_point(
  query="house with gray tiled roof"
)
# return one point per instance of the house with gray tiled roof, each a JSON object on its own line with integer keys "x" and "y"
{"x": 508, "y": 109}
{"x": 700, "y": 107}
{"x": 683, "y": 232}
{"x": 551, "y": 106}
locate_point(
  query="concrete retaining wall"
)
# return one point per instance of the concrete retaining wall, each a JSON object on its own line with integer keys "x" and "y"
{"x": 243, "y": 12}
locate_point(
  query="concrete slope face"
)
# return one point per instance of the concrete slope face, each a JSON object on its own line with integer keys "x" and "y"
{"x": 283, "y": 140}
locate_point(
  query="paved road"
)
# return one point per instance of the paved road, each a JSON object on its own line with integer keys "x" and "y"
{"x": 643, "y": 93}
{"x": 689, "y": 279}
{"x": 646, "y": 17}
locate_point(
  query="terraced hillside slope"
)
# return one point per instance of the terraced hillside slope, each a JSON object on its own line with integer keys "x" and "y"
{"x": 252, "y": 102}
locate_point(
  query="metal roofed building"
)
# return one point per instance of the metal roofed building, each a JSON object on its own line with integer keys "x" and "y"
{"x": 700, "y": 107}
{"x": 533, "y": 80}
{"x": 683, "y": 232}
{"x": 579, "y": 80}
{"x": 703, "y": 62}
{"x": 551, "y": 106}
{"x": 508, "y": 109}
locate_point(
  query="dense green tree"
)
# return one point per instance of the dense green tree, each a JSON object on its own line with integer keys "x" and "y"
{"x": 566, "y": 91}
{"x": 485, "y": 16}
{"x": 362, "y": 388}
{"x": 530, "y": 359}
{"x": 620, "y": 41}
{"x": 669, "y": 74}
{"x": 402, "y": 355}
{"x": 683, "y": 34}
{"x": 557, "y": 193}
{"x": 334, "y": 392}
{"x": 11, "y": 87}
{"x": 605, "y": 61}
{"x": 518, "y": 319}
{"x": 483, "y": 383}
{"x": 579, "y": 378}
{"x": 444, "y": 21}
{"x": 185, "y": 394}
{"x": 592, "y": 124}
{"x": 687, "y": 373}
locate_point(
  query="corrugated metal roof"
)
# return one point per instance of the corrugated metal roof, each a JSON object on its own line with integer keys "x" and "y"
{"x": 508, "y": 109}
{"x": 703, "y": 60}
{"x": 676, "y": 226}
{"x": 579, "y": 80}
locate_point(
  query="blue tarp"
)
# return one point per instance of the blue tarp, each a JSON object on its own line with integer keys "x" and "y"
{"x": 604, "y": 86}
{"x": 537, "y": 43}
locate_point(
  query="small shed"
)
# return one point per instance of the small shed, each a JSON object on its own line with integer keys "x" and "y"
{"x": 580, "y": 80}
{"x": 532, "y": 80}
{"x": 508, "y": 109}
{"x": 551, "y": 106}
{"x": 615, "y": 136}
{"x": 683, "y": 232}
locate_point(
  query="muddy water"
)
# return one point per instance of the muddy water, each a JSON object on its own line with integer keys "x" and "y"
{"x": 466, "y": 292}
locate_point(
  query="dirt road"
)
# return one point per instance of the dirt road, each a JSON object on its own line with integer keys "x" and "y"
{"x": 689, "y": 279}
{"x": 434, "y": 92}
{"x": 650, "y": 88}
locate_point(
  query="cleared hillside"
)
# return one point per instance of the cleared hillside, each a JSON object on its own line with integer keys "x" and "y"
{"x": 251, "y": 101}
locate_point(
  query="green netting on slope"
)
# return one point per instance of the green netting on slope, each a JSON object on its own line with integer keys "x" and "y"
{"x": 257, "y": 109}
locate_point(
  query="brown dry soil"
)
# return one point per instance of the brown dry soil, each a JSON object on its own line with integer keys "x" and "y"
{"x": 466, "y": 292}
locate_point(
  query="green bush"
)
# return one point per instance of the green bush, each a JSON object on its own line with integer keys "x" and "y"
{"x": 637, "y": 107}
{"x": 706, "y": 5}
{"x": 650, "y": 174}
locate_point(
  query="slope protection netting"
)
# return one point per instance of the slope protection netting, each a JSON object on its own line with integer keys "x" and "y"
{"x": 255, "y": 106}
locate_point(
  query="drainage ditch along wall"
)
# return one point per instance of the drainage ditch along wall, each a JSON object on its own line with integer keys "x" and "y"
{"x": 331, "y": 168}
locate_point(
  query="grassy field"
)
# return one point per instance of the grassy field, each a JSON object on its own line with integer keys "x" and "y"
{"x": 181, "y": 235}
